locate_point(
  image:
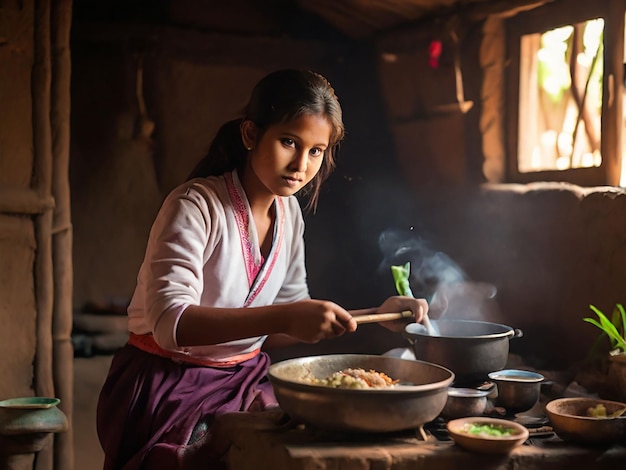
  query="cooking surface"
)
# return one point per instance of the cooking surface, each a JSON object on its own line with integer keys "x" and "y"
{"x": 274, "y": 440}
{"x": 266, "y": 440}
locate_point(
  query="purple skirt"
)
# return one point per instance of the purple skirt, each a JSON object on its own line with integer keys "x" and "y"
{"x": 154, "y": 413}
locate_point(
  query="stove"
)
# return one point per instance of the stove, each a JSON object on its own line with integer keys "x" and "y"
{"x": 435, "y": 431}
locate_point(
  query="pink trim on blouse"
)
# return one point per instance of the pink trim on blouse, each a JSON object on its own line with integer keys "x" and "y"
{"x": 280, "y": 220}
{"x": 242, "y": 218}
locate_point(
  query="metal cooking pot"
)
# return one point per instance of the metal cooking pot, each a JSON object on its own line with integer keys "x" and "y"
{"x": 417, "y": 399}
{"x": 464, "y": 402}
{"x": 471, "y": 349}
{"x": 518, "y": 390}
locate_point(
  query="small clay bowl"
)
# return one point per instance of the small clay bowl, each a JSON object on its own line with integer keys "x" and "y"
{"x": 460, "y": 431}
{"x": 464, "y": 402}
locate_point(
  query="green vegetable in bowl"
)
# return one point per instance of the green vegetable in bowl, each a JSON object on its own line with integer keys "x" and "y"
{"x": 492, "y": 430}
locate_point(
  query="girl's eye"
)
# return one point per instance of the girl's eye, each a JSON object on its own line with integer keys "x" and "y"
{"x": 317, "y": 152}
{"x": 288, "y": 142}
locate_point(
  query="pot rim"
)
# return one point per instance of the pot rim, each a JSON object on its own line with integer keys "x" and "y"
{"x": 274, "y": 375}
{"x": 420, "y": 330}
{"x": 516, "y": 376}
{"x": 461, "y": 392}
{"x": 25, "y": 403}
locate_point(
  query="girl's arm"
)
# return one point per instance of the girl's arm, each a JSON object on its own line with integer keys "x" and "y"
{"x": 280, "y": 341}
{"x": 308, "y": 321}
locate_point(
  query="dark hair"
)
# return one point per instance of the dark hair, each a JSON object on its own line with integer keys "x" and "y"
{"x": 279, "y": 97}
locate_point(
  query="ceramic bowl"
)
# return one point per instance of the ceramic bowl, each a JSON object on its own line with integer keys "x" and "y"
{"x": 570, "y": 421}
{"x": 459, "y": 430}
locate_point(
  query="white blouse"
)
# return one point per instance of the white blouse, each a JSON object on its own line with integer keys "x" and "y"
{"x": 203, "y": 249}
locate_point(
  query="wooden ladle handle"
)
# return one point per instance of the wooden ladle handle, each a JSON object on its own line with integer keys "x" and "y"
{"x": 360, "y": 316}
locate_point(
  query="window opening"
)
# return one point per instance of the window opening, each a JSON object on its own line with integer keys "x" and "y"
{"x": 561, "y": 74}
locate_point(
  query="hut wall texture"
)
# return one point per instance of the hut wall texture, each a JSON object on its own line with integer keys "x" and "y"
{"x": 17, "y": 233}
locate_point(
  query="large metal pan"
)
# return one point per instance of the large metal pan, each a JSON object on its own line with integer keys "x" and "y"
{"x": 418, "y": 399}
{"x": 471, "y": 349}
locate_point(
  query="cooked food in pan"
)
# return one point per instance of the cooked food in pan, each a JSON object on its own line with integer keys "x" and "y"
{"x": 355, "y": 378}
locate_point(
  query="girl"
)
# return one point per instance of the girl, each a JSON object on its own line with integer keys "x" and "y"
{"x": 223, "y": 275}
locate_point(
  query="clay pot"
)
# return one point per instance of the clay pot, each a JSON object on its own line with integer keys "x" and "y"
{"x": 617, "y": 376}
{"x": 26, "y": 423}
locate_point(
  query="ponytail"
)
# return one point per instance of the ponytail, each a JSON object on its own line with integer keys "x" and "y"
{"x": 225, "y": 153}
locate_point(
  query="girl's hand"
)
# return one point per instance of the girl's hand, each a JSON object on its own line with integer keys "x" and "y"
{"x": 314, "y": 320}
{"x": 399, "y": 303}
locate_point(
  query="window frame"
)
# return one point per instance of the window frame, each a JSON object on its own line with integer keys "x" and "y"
{"x": 543, "y": 19}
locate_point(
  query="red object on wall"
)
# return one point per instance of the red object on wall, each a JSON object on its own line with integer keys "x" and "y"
{"x": 434, "y": 52}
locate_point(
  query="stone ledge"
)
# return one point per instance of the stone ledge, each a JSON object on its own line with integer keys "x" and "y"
{"x": 557, "y": 186}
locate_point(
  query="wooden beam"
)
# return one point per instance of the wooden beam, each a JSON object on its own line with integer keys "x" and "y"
{"x": 206, "y": 48}
{"x": 24, "y": 201}
{"x": 503, "y": 8}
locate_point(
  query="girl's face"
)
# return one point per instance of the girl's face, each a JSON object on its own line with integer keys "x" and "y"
{"x": 288, "y": 155}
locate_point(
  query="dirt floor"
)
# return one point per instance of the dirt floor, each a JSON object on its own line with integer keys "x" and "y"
{"x": 89, "y": 375}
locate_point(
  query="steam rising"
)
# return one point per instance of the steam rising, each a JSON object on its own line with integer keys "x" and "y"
{"x": 430, "y": 269}
{"x": 437, "y": 278}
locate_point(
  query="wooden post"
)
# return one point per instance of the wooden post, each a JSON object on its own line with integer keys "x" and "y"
{"x": 63, "y": 352}
{"x": 42, "y": 176}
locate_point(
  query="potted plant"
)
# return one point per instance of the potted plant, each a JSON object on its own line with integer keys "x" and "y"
{"x": 615, "y": 329}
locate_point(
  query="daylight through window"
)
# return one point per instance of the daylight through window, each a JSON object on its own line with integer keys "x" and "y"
{"x": 560, "y": 111}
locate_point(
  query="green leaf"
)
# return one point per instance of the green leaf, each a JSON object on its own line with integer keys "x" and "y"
{"x": 620, "y": 312}
{"x": 593, "y": 321}
{"x": 401, "y": 276}
{"x": 610, "y": 329}
{"x": 615, "y": 337}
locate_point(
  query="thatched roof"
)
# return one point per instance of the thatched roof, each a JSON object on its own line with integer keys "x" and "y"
{"x": 351, "y": 19}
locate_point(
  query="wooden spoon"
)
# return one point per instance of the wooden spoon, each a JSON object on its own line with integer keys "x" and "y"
{"x": 369, "y": 315}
